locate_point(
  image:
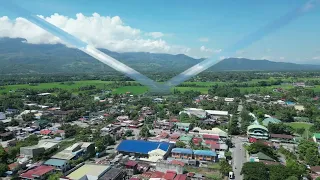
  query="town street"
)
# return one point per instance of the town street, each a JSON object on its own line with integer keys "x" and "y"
{"x": 238, "y": 153}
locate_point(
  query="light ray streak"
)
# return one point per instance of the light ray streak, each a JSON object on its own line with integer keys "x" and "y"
{"x": 244, "y": 42}
{"x": 88, "y": 49}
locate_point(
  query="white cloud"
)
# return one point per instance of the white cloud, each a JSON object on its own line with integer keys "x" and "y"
{"x": 155, "y": 35}
{"x": 217, "y": 51}
{"x": 316, "y": 58}
{"x": 204, "y": 49}
{"x": 282, "y": 58}
{"x": 100, "y": 31}
{"x": 204, "y": 39}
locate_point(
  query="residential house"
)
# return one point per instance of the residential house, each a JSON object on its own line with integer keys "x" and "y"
{"x": 39, "y": 172}
{"x": 75, "y": 151}
{"x": 114, "y": 174}
{"x": 183, "y": 126}
{"x": 260, "y": 157}
{"x": 89, "y": 171}
{"x": 186, "y": 139}
{"x": 210, "y": 137}
{"x": 6, "y": 136}
{"x": 315, "y": 171}
{"x": 59, "y": 164}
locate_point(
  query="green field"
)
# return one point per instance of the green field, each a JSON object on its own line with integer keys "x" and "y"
{"x": 141, "y": 89}
{"x": 296, "y": 125}
{"x": 77, "y": 84}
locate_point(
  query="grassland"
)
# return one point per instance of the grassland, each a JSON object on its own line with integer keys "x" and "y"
{"x": 296, "y": 125}
{"x": 205, "y": 86}
{"x": 306, "y": 126}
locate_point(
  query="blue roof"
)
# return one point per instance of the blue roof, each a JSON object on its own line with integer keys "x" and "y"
{"x": 182, "y": 150}
{"x": 142, "y": 147}
{"x": 205, "y": 152}
{"x": 55, "y": 162}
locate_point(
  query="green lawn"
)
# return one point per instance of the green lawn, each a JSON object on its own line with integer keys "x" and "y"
{"x": 306, "y": 126}
{"x": 297, "y": 125}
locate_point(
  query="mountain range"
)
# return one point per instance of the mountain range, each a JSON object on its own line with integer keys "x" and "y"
{"x": 17, "y": 56}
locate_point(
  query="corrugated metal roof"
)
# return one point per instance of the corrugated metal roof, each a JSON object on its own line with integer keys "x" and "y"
{"x": 55, "y": 162}
{"x": 143, "y": 147}
{"x": 205, "y": 153}
{"x": 182, "y": 150}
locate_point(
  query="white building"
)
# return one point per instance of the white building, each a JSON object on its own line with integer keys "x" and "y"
{"x": 217, "y": 113}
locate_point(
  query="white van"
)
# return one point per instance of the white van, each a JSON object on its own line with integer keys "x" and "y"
{"x": 231, "y": 175}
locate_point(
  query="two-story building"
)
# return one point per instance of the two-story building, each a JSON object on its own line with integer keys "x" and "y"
{"x": 181, "y": 153}
{"x": 205, "y": 155}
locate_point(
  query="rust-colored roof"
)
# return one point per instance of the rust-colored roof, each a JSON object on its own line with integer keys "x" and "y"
{"x": 13, "y": 166}
{"x": 178, "y": 162}
{"x": 157, "y": 174}
{"x": 209, "y": 136}
{"x": 181, "y": 177}
{"x": 282, "y": 136}
{"x": 37, "y": 172}
{"x": 315, "y": 169}
{"x": 170, "y": 175}
{"x": 131, "y": 163}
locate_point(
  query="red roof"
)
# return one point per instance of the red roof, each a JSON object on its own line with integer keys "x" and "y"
{"x": 181, "y": 177}
{"x": 209, "y": 142}
{"x": 209, "y": 136}
{"x": 175, "y": 136}
{"x": 164, "y": 135}
{"x": 174, "y": 120}
{"x": 37, "y": 172}
{"x": 170, "y": 175}
{"x": 45, "y": 131}
{"x": 282, "y": 136}
{"x": 157, "y": 174}
{"x": 134, "y": 179}
{"x": 177, "y": 162}
{"x": 197, "y": 140}
{"x": 215, "y": 146}
{"x": 252, "y": 140}
{"x": 315, "y": 169}
{"x": 191, "y": 174}
{"x": 13, "y": 166}
{"x": 131, "y": 163}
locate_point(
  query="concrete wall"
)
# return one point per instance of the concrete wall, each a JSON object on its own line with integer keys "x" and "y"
{"x": 164, "y": 167}
{"x": 32, "y": 152}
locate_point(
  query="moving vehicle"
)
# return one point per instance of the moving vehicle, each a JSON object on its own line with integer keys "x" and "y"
{"x": 231, "y": 175}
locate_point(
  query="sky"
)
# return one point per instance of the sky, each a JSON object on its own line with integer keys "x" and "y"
{"x": 202, "y": 28}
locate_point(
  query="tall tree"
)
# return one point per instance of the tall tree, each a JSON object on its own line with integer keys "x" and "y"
{"x": 254, "y": 171}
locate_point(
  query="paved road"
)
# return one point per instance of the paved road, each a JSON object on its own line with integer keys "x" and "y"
{"x": 239, "y": 158}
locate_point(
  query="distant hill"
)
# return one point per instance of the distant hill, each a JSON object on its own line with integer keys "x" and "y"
{"x": 243, "y": 64}
{"x": 19, "y": 57}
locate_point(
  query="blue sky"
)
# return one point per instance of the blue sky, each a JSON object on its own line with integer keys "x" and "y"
{"x": 212, "y": 24}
